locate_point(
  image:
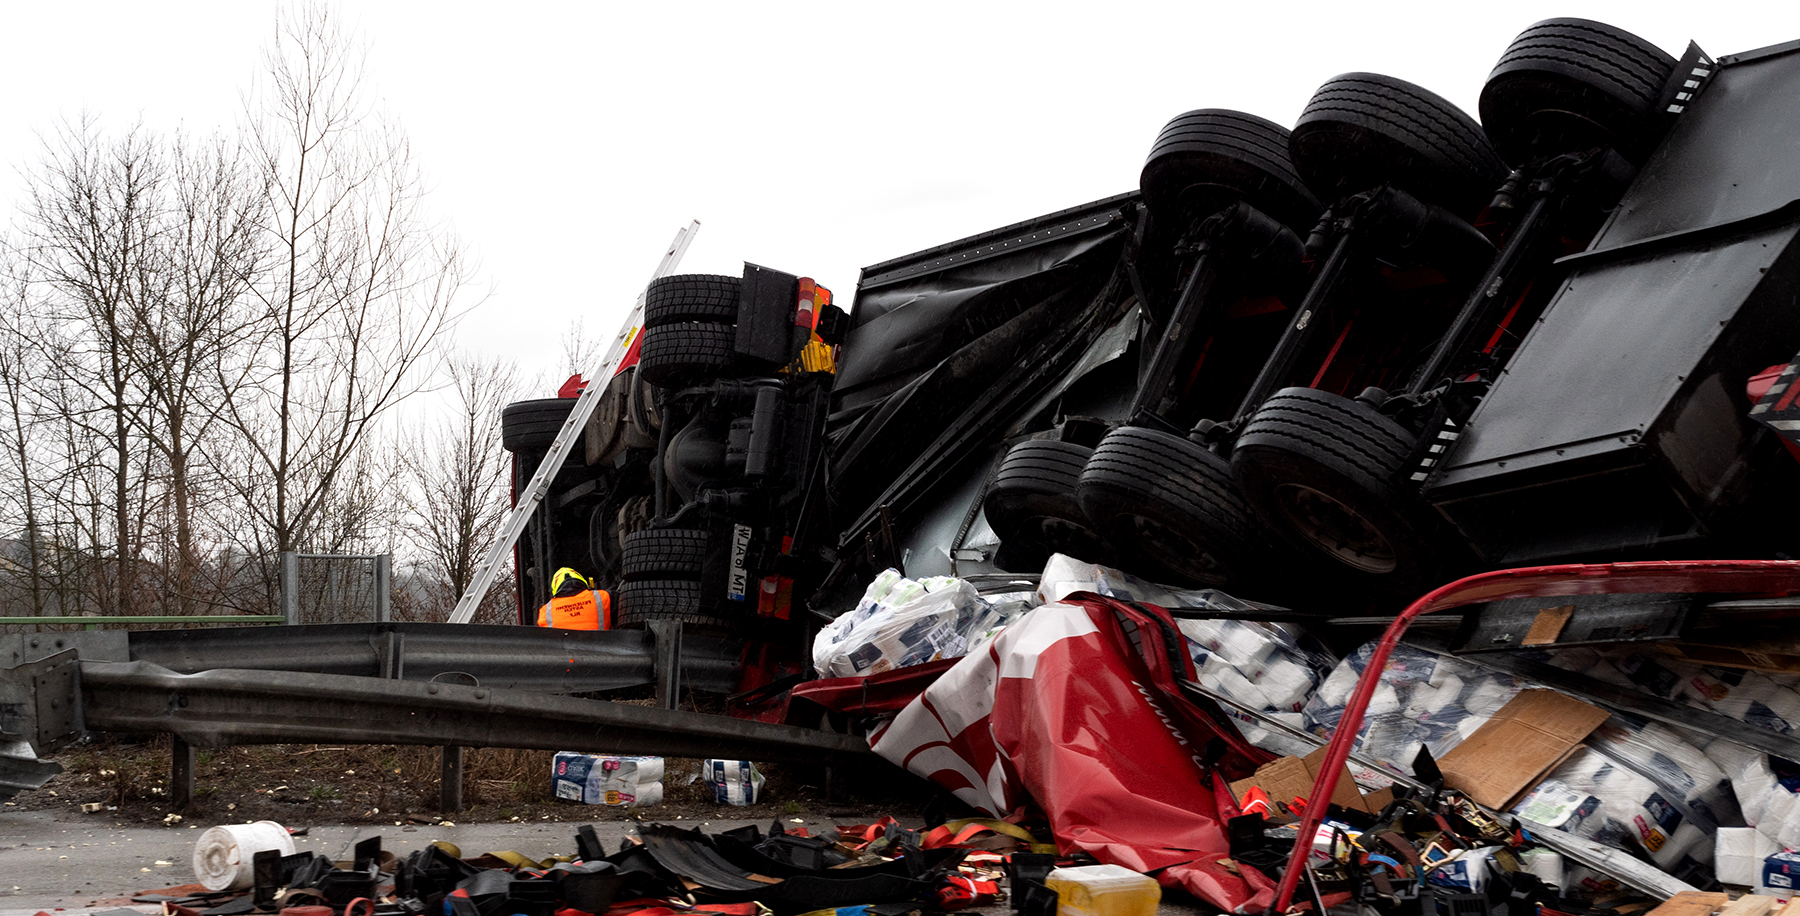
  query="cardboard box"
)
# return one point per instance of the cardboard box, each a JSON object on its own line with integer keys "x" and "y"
{"x": 1286, "y": 778}
{"x": 1514, "y": 750}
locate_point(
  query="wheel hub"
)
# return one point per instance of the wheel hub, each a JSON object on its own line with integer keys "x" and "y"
{"x": 1336, "y": 529}
{"x": 1178, "y": 553}
{"x": 1061, "y": 535}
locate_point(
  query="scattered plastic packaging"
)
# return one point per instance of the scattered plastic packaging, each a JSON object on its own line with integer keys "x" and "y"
{"x": 1266, "y": 667}
{"x": 222, "y": 855}
{"x": 1780, "y": 875}
{"x": 734, "y": 782}
{"x": 1546, "y": 864}
{"x": 1738, "y": 854}
{"x": 1064, "y": 576}
{"x": 1762, "y": 787}
{"x": 1625, "y": 792}
{"x": 1421, "y": 701}
{"x": 626, "y": 782}
{"x": 1468, "y": 871}
{"x": 901, "y": 622}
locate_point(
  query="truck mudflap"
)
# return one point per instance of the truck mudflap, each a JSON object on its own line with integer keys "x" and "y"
{"x": 1077, "y": 710}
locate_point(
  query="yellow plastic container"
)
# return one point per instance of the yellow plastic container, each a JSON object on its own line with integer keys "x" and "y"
{"x": 1103, "y": 890}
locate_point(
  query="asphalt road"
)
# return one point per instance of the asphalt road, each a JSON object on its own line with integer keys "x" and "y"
{"x": 51, "y": 860}
{"x": 79, "y": 864}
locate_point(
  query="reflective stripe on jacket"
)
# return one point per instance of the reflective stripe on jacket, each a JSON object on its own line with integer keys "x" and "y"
{"x": 588, "y": 610}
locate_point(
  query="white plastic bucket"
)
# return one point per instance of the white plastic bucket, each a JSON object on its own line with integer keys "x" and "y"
{"x": 223, "y": 855}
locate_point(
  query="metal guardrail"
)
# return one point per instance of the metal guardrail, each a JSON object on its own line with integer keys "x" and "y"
{"x": 94, "y": 623}
{"x": 380, "y": 683}
{"x": 515, "y": 657}
{"x": 226, "y": 707}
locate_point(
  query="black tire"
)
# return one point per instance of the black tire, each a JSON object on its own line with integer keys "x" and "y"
{"x": 665, "y": 553}
{"x": 675, "y": 354}
{"x": 640, "y": 407}
{"x": 530, "y": 426}
{"x": 1566, "y": 85}
{"x": 1031, "y": 504}
{"x": 1325, "y": 472}
{"x": 1170, "y": 510}
{"x": 644, "y": 600}
{"x": 606, "y": 426}
{"x": 1207, "y": 160}
{"x": 1361, "y": 130}
{"x": 692, "y": 297}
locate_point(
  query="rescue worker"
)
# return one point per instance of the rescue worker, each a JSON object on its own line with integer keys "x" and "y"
{"x": 575, "y": 604}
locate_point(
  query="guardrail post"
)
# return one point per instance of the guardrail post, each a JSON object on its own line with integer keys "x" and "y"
{"x": 384, "y": 576}
{"x": 667, "y": 667}
{"x": 290, "y": 586}
{"x": 181, "y": 774}
{"x": 450, "y": 779}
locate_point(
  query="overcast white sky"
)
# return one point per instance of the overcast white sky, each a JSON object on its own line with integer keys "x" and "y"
{"x": 567, "y": 142}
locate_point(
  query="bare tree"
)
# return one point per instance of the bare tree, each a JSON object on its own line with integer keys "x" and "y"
{"x": 458, "y": 484}
{"x": 192, "y": 327}
{"x": 360, "y": 288}
{"x": 92, "y": 218}
{"x": 24, "y": 364}
{"x": 581, "y": 354}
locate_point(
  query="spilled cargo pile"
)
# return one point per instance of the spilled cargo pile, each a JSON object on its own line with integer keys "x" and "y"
{"x": 1180, "y": 734}
{"x": 882, "y": 869}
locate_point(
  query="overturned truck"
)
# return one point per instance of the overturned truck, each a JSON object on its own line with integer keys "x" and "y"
{"x": 1341, "y": 362}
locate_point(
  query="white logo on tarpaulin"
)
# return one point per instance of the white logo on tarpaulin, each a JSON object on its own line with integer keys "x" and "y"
{"x": 740, "y": 551}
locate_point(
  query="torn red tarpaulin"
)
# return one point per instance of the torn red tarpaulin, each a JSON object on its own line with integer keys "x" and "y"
{"x": 1076, "y": 708}
{"x": 886, "y": 692}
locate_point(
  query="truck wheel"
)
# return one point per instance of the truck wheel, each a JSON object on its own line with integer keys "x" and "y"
{"x": 1207, "y": 160}
{"x": 1571, "y": 84}
{"x": 665, "y": 553}
{"x": 1169, "y": 509}
{"x": 640, "y": 408}
{"x": 1323, "y": 471}
{"x": 603, "y": 543}
{"x": 692, "y": 297}
{"x": 1361, "y": 130}
{"x": 645, "y": 600}
{"x": 1031, "y": 504}
{"x": 529, "y": 426}
{"x": 606, "y": 425}
{"x": 687, "y": 351}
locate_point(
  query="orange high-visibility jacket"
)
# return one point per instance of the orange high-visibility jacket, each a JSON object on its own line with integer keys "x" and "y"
{"x": 588, "y": 610}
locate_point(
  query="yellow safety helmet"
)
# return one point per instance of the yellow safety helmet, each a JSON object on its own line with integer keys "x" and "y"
{"x": 563, "y": 575}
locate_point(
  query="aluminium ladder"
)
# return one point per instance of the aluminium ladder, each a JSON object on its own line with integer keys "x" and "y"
{"x": 572, "y": 429}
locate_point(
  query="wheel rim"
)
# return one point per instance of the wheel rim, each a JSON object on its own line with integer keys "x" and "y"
{"x": 1336, "y": 529}
{"x": 1177, "y": 553}
{"x": 1065, "y": 536}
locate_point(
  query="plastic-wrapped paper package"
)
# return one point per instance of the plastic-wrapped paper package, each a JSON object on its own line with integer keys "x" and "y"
{"x": 1064, "y": 575}
{"x": 1421, "y": 701}
{"x": 1273, "y": 740}
{"x": 1767, "y": 801}
{"x": 1677, "y": 765}
{"x": 1265, "y": 666}
{"x": 1637, "y": 785}
{"x": 901, "y": 622}
{"x": 1746, "y": 696}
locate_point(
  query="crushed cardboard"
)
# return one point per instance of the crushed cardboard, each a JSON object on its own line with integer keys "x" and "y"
{"x": 1526, "y": 739}
{"x": 1287, "y": 778}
